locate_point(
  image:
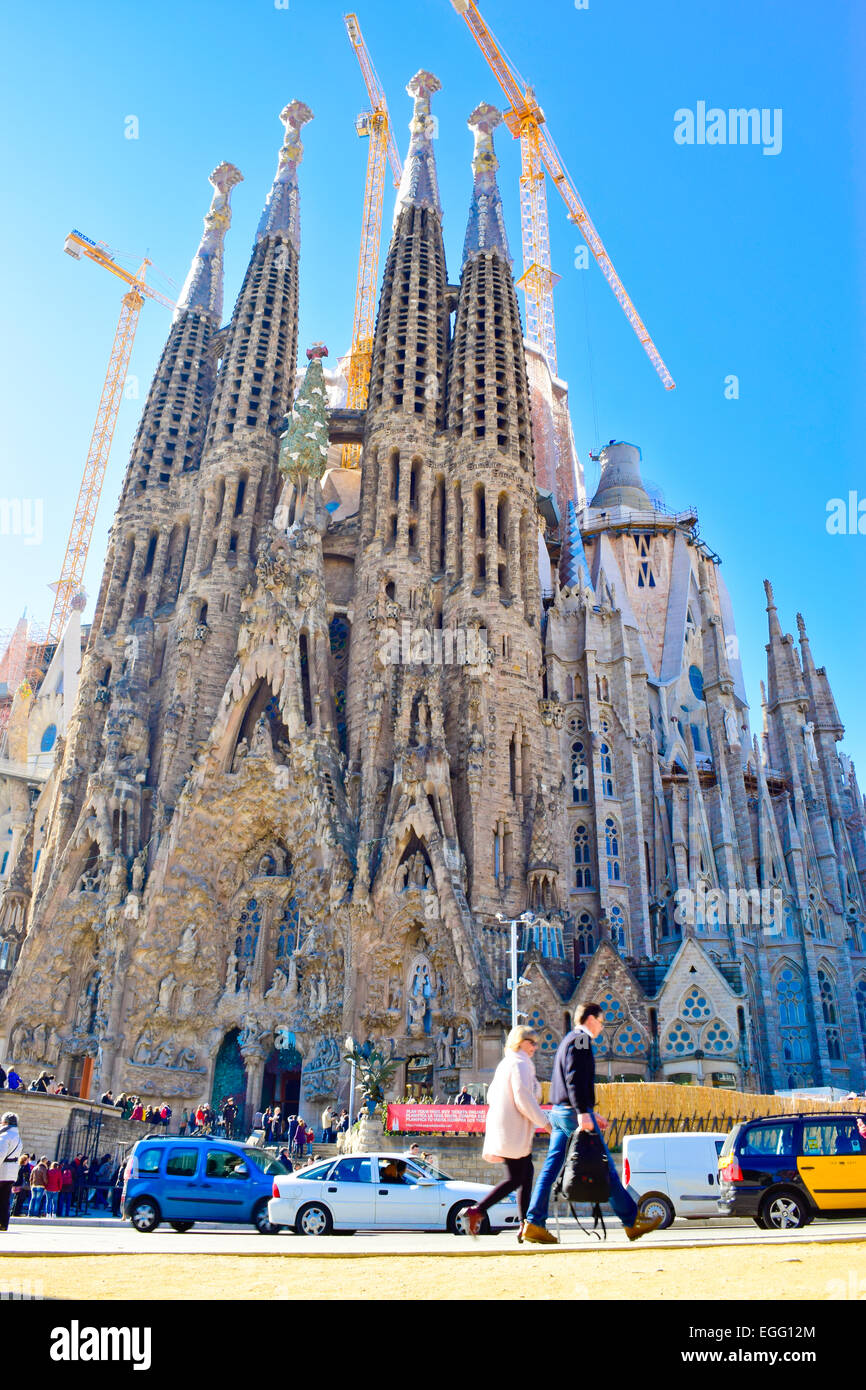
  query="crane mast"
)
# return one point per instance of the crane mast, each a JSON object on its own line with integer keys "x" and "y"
{"x": 376, "y": 125}
{"x": 81, "y": 531}
{"x": 526, "y": 121}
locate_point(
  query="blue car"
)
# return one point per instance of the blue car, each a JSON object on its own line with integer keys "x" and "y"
{"x": 182, "y": 1181}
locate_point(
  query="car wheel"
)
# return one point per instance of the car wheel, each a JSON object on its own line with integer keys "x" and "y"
{"x": 654, "y": 1204}
{"x": 784, "y": 1211}
{"x": 181, "y": 1225}
{"x": 458, "y": 1225}
{"x": 145, "y": 1215}
{"x": 759, "y": 1222}
{"x": 314, "y": 1220}
{"x": 261, "y": 1222}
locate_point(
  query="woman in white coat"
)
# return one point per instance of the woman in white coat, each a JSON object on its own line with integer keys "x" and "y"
{"x": 10, "y": 1158}
{"x": 513, "y": 1116}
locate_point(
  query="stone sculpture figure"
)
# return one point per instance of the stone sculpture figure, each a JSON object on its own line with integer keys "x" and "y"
{"x": 809, "y": 740}
{"x": 732, "y": 733}
{"x": 186, "y": 1002}
{"x": 142, "y": 1050}
{"x": 262, "y": 745}
{"x": 188, "y": 945}
{"x": 232, "y": 973}
{"x": 166, "y": 990}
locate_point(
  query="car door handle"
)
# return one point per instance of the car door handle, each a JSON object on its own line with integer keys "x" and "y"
{"x": 207, "y": 1184}
{"x": 332, "y": 1189}
{"x": 383, "y": 1192}
{"x": 808, "y": 1168}
{"x": 710, "y": 1179}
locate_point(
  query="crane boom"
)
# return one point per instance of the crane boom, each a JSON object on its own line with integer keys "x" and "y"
{"x": 376, "y": 124}
{"x": 78, "y": 245}
{"x": 526, "y": 120}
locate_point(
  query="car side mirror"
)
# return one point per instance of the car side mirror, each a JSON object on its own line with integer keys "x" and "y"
{"x": 242, "y": 1171}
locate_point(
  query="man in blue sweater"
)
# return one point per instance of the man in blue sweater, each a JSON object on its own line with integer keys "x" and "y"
{"x": 572, "y": 1094}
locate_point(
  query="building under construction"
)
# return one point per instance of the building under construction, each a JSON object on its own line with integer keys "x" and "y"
{"x": 337, "y": 726}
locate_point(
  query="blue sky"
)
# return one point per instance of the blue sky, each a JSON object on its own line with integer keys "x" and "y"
{"x": 740, "y": 263}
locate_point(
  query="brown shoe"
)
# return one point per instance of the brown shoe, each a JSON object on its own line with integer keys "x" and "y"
{"x": 538, "y": 1235}
{"x": 642, "y": 1226}
{"x": 474, "y": 1217}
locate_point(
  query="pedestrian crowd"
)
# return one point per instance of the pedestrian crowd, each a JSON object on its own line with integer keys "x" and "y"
{"x": 38, "y": 1186}
{"x": 45, "y": 1083}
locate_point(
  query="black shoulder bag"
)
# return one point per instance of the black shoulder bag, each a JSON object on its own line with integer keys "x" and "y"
{"x": 585, "y": 1177}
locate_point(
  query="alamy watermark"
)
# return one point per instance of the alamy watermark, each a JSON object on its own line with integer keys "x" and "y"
{"x": 22, "y": 516}
{"x": 846, "y": 516}
{"x": 736, "y": 126}
{"x": 419, "y": 646}
{"x": 752, "y": 907}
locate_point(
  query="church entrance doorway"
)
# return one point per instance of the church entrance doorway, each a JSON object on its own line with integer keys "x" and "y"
{"x": 281, "y": 1084}
{"x": 230, "y": 1074}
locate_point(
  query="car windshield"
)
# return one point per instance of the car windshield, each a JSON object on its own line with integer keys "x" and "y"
{"x": 428, "y": 1169}
{"x": 263, "y": 1160}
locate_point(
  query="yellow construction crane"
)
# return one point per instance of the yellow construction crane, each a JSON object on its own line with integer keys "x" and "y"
{"x": 374, "y": 124}
{"x": 526, "y": 121}
{"x": 81, "y": 531}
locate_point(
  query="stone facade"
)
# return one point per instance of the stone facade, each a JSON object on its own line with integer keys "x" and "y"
{"x": 332, "y": 733}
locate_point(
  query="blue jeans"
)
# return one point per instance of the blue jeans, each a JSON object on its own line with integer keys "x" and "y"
{"x": 37, "y": 1201}
{"x": 563, "y": 1122}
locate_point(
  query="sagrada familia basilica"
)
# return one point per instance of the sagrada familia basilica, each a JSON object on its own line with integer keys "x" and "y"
{"x": 336, "y": 728}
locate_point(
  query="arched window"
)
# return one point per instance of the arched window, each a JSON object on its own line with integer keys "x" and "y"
{"x": 584, "y": 935}
{"x": 548, "y": 1042}
{"x": 822, "y": 925}
{"x": 629, "y": 1043}
{"x": 831, "y": 1016}
{"x": 288, "y": 930}
{"x": 860, "y": 997}
{"x": 788, "y": 928}
{"x": 617, "y": 927}
{"x": 48, "y": 739}
{"x": 579, "y": 773}
{"x": 248, "y": 931}
{"x": 611, "y": 849}
{"x": 679, "y": 1041}
{"x": 582, "y": 858}
{"x": 611, "y": 1008}
{"x": 791, "y": 997}
{"x": 695, "y": 1006}
{"x": 718, "y": 1038}
{"x": 606, "y": 770}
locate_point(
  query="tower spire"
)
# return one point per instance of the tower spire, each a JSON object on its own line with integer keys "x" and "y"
{"x": 772, "y": 615}
{"x": 203, "y": 287}
{"x": 486, "y": 228}
{"x": 281, "y": 212}
{"x": 419, "y": 186}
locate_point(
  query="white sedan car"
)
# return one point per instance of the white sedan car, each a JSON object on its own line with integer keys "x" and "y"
{"x": 387, "y": 1191}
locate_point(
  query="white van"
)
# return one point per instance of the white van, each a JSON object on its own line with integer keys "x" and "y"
{"x": 673, "y": 1174}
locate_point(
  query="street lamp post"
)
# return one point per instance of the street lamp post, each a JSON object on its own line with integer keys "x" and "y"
{"x": 515, "y": 980}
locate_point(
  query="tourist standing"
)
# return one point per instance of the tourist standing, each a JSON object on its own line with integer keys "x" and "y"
{"x": 572, "y": 1091}
{"x": 10, "y": 1163}
{"x": 327, "y": 1123}
{"x": 38, "y": 1185}
{"x": 53, "y": 1188}
{"x": 22, "y": 1186}
{"x": 513, "y": 1116}
{"x": 64, "y": 1201}
{"x": 299, "y": 1143}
